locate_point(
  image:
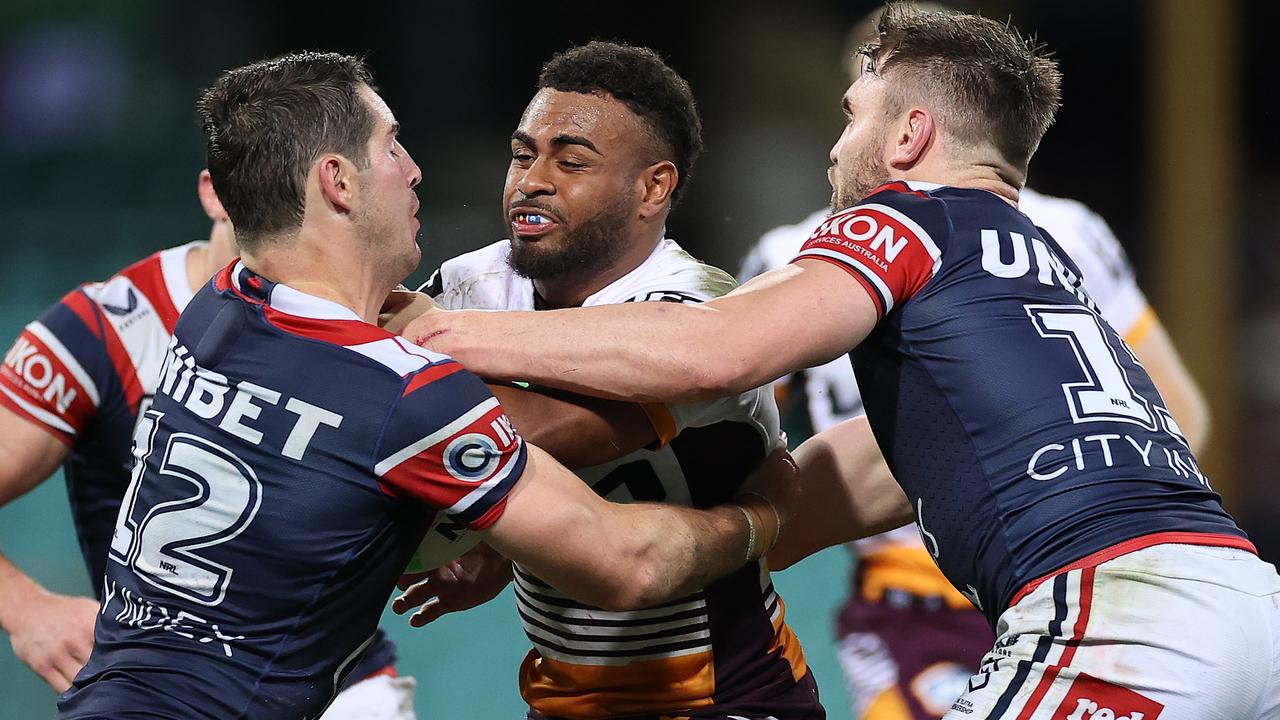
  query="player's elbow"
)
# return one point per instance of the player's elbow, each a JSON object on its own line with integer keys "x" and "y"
{"x": 638, "y": 581}
{"x": 640, "y": 587}
{"x": 727, "y": 376}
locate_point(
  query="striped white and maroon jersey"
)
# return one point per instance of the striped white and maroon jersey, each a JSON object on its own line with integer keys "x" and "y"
{"x": 726, "y": 650}
{"x": 289, "y": 465}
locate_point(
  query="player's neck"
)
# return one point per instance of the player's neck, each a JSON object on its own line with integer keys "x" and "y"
{"x": 998, "y": 178}
{"x": 204, "y": 261}
{"x": 325, "y": 270}
{"x": 571, "y": 289}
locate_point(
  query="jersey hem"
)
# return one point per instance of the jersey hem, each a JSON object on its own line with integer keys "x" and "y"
{"x": 1141, "y": 542}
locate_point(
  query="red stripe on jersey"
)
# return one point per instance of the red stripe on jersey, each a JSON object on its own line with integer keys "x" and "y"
{"x": 222, "y": 280}
{"x": 433, "y": 477}
{"x": 148, "y": 276}
{"x": 38, "y": 377}
{"x": 338, "y": 332}
{"x": 881, "y": 242}
{"x": 123, "y": 365}
{"x": 430, "y": 375}
{"x": 86, "y": 310}
{"x": 1141, "y": 543}
{"x": 898, "y": 186}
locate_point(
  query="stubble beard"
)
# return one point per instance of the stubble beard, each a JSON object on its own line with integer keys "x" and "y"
{"x": 868, "y": 173}
{"x": 381, "y": 238}
{"x": 585, "y": 249}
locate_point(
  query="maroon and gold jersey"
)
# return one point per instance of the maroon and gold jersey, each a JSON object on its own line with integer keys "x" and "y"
{"x": 725, "y": 650}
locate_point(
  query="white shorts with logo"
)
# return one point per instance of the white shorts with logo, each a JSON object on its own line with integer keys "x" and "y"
{"x": 381, "y": 697}
{"x": 1170, "y": 632}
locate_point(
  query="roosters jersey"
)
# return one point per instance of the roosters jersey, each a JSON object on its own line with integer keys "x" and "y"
{"x": 84, "y": 369}
{"x": 290, "y": 464}
{"x": 1023, "y": 429}
{"x": 724, "y": 650}
{"x": 898, "y": 559}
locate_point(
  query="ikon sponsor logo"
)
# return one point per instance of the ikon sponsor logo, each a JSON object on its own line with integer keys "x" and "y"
{"x": 1092, "y": 699}
{"x": 37, "y": 371}
{"x": 878, "y": 231}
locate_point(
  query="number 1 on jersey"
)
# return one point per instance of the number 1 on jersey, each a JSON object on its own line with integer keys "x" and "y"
{"x": 1106, "y": 393}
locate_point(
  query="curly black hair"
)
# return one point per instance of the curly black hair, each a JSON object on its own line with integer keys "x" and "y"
{"x": 638, "y": 78}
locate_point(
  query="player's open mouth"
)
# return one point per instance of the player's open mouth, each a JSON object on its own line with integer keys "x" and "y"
{"x": 532, "y": 223}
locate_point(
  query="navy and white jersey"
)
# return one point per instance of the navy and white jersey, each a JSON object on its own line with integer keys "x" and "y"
{"x": 1022, "y": 428}
{"x": 290, "y": 464}
{"x": 85, "y": 370}
{"x": 82, "y": 371}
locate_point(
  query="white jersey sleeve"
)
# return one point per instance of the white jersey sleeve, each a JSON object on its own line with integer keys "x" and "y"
{"x": 1088, "y": 241}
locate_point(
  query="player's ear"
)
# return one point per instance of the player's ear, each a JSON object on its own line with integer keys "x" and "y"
{"x": 913, "y": 135}
{"x": 209, "y": 198}
{"x": 337, "y": 181}
{"x": 657, "y": 181}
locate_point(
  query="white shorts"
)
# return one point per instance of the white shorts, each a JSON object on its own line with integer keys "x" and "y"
{"x": 377, "y": 698}
{"x": 1174, "y": 632}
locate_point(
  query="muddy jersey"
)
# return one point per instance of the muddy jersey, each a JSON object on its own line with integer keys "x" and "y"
{"x": 1023, "y": 429}
{"x": 724, "y": 650}
{"x": 290, "y": 463}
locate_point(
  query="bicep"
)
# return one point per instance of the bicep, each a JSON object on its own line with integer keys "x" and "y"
{"x": 555, "y": 526}
{"x": 578, "y": 431}
{"x": 28, "y": 455}
{"x": 795, "y": 317}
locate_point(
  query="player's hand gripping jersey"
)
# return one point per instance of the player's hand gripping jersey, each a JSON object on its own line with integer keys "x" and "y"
{"x": 1021, "y": 427}
{"x": 723, "y": 651}
{"x": 291, "y": 462}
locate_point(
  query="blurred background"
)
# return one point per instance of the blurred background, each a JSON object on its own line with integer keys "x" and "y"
{"x": 1167, "y": 130}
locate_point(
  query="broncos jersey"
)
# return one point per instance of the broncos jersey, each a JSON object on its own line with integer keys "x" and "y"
{"x": 289, "y": 466}
{"x": 724, "y": 650}
{"x": 1024, "y": 431}
{"x": 85, "y": 370}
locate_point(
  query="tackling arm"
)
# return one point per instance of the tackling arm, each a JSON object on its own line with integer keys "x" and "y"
{"x": 787, "y": 319}
{"x": 623, "y": 557}
{"x": 576, "y": 430}
{"x": 848, "y": 493}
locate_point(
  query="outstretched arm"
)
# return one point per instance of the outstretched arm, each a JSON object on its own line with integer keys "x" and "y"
{"x": 848, "y": 493}
{"x": 578, "y": 431}
{"x": 52, "y": 634}
{"x": 623, "y": 557}
{"x": 791, "y": 318}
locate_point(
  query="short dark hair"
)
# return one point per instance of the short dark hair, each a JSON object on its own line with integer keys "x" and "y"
{"x": 265, "y": 123}
{"x": 638, "y": 78}
{"x": 995, "y": 85}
